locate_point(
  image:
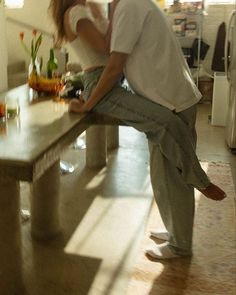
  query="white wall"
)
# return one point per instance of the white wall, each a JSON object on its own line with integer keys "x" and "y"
{"x": 3, "y": 50}
{"x": 35, "y": 14}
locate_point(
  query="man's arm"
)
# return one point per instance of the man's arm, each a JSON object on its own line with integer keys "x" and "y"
{"x": 110, "y": 76}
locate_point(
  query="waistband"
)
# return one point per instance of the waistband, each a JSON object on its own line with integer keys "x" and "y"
{"x": 92, "y": 69}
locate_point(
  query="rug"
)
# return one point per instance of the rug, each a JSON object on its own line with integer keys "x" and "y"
{"x": 212, "y": 269}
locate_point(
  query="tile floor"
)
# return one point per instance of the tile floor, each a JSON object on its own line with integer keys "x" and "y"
{"x": 103, "y": 216}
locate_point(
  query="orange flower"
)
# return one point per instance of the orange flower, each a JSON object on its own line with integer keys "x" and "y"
{"x": 34, "y": 46}
{"x": 22, "y": 34}
{"x": 34, "y": 32}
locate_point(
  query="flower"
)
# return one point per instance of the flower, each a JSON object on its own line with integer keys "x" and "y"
{"x": 34, "y": 48}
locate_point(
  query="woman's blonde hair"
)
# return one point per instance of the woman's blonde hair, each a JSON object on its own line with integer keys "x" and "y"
{"x": 56, "y": 9}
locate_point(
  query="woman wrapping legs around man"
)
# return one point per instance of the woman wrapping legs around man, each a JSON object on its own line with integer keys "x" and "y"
{"x": 169, "y": 122}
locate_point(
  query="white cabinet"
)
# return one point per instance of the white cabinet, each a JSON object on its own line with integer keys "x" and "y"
{"x": 220, "y": 99}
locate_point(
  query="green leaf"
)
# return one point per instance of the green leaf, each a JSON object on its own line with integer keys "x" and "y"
{"x": 32, "y": 48}
{"x": 25, "y": 47}
{"x": 41, "y": 63}
{"x": 38, "y": 42}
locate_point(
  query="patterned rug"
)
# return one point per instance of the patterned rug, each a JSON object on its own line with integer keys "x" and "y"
{"x": 212, "y": 269}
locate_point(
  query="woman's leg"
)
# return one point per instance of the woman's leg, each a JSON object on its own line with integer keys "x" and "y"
{"x": 162, "y": 127}
{"x": 175, "y": 169}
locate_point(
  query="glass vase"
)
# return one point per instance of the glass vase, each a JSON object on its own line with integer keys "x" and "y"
{"x": 34, "y": 67}
{"x": 34, "y": 73}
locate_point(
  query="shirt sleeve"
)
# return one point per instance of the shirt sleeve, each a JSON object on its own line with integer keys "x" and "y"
{"x": 126, "y": 27}
{"x": 76, "y": 13}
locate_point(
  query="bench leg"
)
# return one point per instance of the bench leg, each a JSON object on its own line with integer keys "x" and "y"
{"x": 96, "y": 155}
{"x": 10, "y": 238}
{"x": 45, "y": 204}
{"x": 112, "y": 137}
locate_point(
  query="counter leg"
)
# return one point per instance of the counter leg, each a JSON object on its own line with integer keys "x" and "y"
{"x": 112, "y": 136}
{"x": 96, "y": 154}
{"x": 10, "y": 238}
{"x": 45, "y": 204}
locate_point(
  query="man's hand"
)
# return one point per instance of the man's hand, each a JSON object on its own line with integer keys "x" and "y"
{"x": 77, "y": 106}
{"x": 110, "y": 76}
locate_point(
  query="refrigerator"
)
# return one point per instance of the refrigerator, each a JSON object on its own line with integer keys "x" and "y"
{"x": 230, "y": 69}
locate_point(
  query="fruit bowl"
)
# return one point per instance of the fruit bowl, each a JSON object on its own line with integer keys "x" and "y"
{"x": 45, "y": 85}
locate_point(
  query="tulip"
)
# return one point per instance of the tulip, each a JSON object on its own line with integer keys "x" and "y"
{"x": 34, "y": 46}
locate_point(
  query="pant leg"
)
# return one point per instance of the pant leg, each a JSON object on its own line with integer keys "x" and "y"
{"x": 162, "y": 127}
{"x": 189, "y": 118}
{"x": 175, "y": 169}
{"x": 175, "y": 198}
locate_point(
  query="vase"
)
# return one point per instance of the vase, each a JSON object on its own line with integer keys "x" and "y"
{"x": 34, "y": 67}
{"x": 34, "y": 73}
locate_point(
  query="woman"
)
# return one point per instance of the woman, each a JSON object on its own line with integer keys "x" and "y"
{"x": 83, "y": 26}
{"x": 78, "y": 20}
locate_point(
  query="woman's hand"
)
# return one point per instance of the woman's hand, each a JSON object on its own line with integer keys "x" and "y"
{"x": 77, "y": 106}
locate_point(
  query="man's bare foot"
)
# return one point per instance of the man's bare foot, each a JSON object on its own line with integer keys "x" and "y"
{"x": 213, "y": 192}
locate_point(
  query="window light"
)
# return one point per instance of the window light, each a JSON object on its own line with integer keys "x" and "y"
{"x": 14, "y": 3}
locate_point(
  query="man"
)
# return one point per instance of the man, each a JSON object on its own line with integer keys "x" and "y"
{"x": 156, "y": 69}
{"x": 144, "y": 47}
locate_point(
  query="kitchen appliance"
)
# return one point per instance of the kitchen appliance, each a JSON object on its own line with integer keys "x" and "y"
{"x": 230, "y": 69}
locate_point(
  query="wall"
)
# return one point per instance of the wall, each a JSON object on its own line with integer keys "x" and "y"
{"x": 35, "y": 14}
{"x": 3, "y": 50}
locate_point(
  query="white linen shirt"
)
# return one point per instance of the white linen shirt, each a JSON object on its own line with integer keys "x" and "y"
{"x": 87, "y": 56}
{"x": 155, "y": 67}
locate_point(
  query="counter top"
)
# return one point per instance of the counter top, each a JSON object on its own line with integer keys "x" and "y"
{"x": 34, "y": 140}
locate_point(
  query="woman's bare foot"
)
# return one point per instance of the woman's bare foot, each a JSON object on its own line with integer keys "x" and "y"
{"x": 213, "y": 192}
